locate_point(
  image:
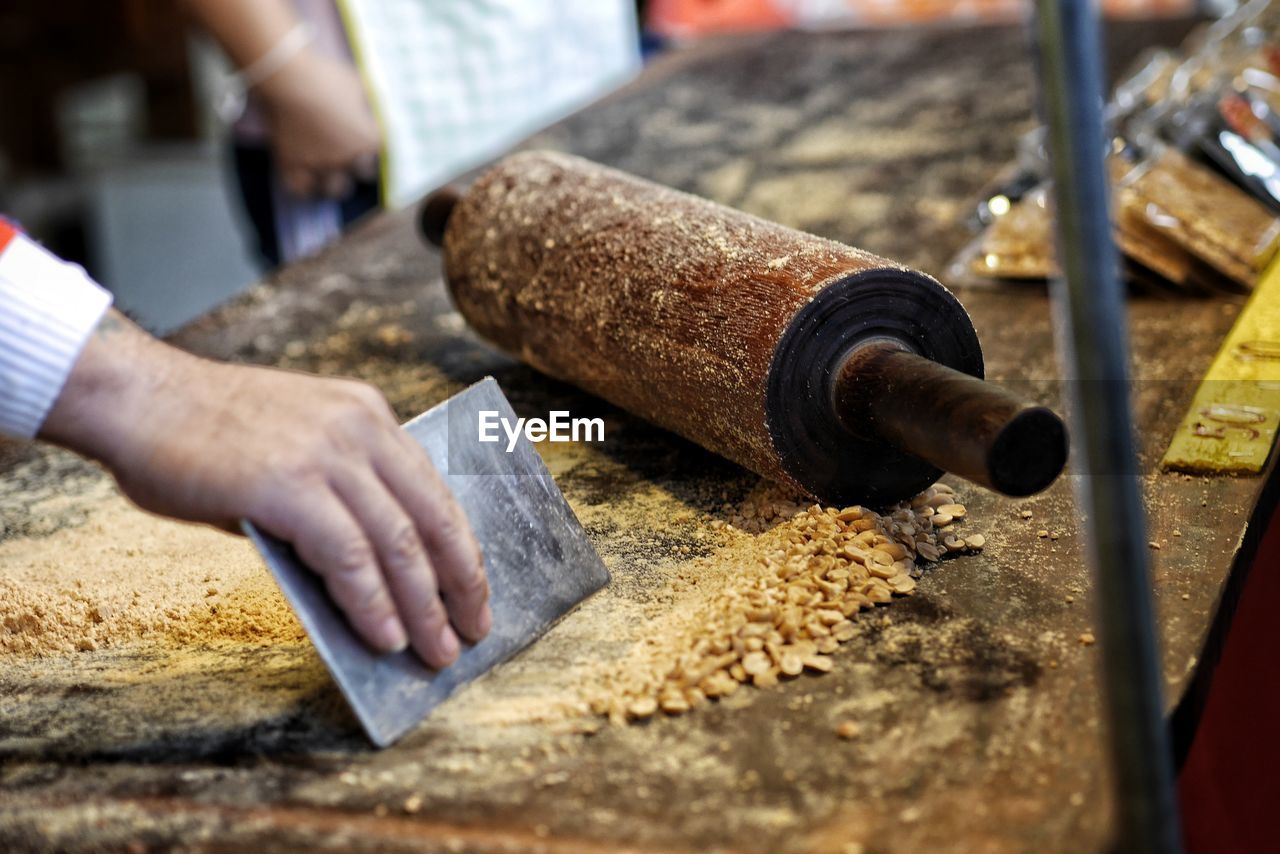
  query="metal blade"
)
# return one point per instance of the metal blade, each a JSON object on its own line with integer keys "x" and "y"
{"x": 539, "y": 560}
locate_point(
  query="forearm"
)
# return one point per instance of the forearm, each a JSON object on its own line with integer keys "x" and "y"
{"x": 246, "y": 29}
{"x": 112, "y": 387}
{"x": 321, "y": 129}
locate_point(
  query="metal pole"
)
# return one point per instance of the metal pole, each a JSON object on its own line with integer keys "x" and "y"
{"x": 1089, "y": 302}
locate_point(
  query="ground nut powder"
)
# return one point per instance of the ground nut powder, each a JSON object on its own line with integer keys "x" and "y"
{"x": 126, "y": 575}
{"x": 732, "y": 608}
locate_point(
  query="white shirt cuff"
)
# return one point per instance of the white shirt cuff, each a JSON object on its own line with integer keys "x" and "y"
{"x": 48, "y": 310}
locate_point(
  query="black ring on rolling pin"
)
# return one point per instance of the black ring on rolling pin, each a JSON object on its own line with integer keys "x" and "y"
{"x": 815, "y": 448}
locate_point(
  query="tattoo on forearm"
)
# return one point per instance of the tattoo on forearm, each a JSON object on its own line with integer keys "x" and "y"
{"x": 111, "y": 324}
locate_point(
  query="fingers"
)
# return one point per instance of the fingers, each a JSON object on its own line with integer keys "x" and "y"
{"x": 365, "y": 167}
{"x": 330, "y": 541}
{"x": 336, "y": 184}
{"x": 443, "y": 529}
{"x": 405, "y": 565}
{"x": 299, "y": 181}
{"x": 329, "y": 183}
{"x": 365, "y": 508}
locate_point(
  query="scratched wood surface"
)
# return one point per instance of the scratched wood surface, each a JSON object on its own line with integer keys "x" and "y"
{"x": 977, "y": 701}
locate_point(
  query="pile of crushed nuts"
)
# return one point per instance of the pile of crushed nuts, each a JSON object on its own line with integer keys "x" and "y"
{"x": 799, "y": 605}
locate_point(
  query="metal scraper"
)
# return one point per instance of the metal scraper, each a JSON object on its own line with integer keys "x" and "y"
{"x": 539, "y": 560}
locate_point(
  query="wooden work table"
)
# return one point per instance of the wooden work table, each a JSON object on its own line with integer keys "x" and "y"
{"x": 977, "y": 700}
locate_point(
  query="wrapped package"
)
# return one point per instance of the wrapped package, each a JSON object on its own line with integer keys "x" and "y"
{"x": 1172, "y": 216}
{"x": 1200, "y": 212}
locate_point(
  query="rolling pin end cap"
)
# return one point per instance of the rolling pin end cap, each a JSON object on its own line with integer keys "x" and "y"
{"x": 433, "y": 217}
{"x": 1029, "y": 453}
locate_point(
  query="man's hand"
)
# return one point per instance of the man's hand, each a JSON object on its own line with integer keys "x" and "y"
{"x": 322, "y": 131}
{"x": 318, "y": 462}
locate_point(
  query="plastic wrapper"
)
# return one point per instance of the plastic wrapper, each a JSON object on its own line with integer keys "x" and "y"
{"x": 1195, "y": 171}
{"x": 1239, "y": 133}
{"x": 1173, "y": 197}
{"x": 1229, "y": 100}
{"x": 1019, "y": 246}
{"x": 1173, "y": 219}
{"x": 1019, "y": 243}
{"x": 1144, "y": 98}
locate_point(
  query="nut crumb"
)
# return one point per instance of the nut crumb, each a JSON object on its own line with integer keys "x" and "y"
{"x": 643, "y": 707}
{"x": 848, "y": 730}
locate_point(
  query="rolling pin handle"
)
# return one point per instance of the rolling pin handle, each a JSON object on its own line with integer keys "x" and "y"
{"x": 955, "y": 421}
{"x": 433, "y": 218}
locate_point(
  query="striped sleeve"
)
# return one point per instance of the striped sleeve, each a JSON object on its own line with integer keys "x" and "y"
{"x": 48, "y": 310}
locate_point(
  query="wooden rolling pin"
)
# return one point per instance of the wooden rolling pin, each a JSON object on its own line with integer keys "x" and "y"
{"x": 820, "y": 366}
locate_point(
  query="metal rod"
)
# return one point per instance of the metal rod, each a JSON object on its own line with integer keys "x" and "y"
{"x": 1090, "y": 301}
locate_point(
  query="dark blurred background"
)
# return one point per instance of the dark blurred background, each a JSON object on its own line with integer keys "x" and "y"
{"x": 112, "y": 155}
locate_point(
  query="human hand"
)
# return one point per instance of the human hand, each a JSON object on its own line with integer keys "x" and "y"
{"x": 323, "y": 133}
{"x": 320, "y": 463}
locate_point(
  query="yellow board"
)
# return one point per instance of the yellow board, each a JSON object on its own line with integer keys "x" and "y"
{"x": 1232, "y": 422}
